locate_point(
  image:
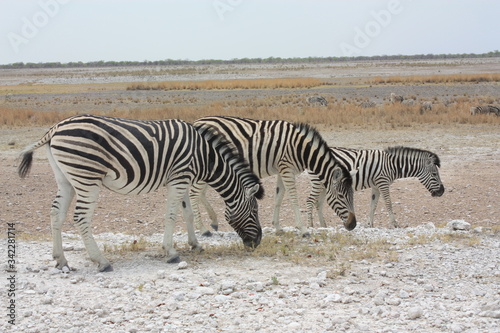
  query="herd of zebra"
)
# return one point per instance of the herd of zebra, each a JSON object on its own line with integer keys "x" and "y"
{"x": 230, "y": 154}
{"x": 400, "y": 99}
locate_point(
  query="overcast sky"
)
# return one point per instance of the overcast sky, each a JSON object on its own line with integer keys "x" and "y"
{"x": 120, "y": 30}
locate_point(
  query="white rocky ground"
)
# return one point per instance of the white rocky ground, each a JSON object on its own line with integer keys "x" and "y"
{"x": 441, "y": 280}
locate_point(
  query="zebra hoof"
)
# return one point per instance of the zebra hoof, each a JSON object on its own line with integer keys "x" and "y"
{"x": 106, "y": 268}
{"x": 207, "y": 234}
{"x": 215, "y": 227}
{"x": 174, "y": 260}
{"x": 197, "y": 249}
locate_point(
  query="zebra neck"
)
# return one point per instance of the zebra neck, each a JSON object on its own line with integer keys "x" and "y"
{"x": 405, "y": 167}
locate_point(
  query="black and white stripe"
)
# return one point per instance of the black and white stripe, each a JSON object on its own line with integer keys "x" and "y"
{"x": 317, "y": 100}
{"x": 485, "y": 109}
{"x": 378, "y": 169}
{"x": 131, "y": 157}
{"x": 285, "y": 149}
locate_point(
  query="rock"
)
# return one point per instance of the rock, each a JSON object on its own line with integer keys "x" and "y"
{"x": 205, "y": 290}
{"x": 182, "y": 265}
{"x": 415, "y": 313}
{"x": 458, "y": 225}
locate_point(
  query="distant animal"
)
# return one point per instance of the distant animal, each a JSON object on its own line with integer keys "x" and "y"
{"x": 277, "y": 147}
{"x": 396, "y": 98}
{"x": 408, "y": 102}
{"x": 426, "y": 106}
{"x": 485, "y": 109}
{"x": 378, "y": 169}
{"x": 318, "y": 100}
{"x": 368, "y": 104}
{"x": 129, "y": 156}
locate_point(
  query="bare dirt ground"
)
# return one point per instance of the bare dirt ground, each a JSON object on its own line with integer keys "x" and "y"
{"x": 432, "y": 286}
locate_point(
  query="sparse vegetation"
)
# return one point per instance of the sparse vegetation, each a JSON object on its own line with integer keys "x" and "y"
{"x": 322, "y": 248}
{"x": 134, "y": 246}
{"x": 293, "y": 83}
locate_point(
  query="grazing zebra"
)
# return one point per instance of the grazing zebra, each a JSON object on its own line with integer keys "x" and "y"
{"x": 317, "y": 100}
{"x": 368, "y": 104}
{"x": 485, "y": 109}
{"x": 408, "y": 102}
{"x": 378, "y": 169}
{"x": 285, "y": 149}
{"x": 132, "y": 157}
{"x": 426, "y": 106}
{"x": 396, "y": 98}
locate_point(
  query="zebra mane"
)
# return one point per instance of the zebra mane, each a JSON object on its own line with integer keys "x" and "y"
{"x": 306, "y": 129}
{"x": 230, "y": 155}
{"x": 400, "y": 150}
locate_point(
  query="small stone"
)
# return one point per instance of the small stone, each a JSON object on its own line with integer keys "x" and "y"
{"x": 415, "y": 312}
{"x": 335, "y": 298}
{"x": 222, "y": 298}
{"x": 456, "y": 328}
{"x": 294, "y": 325}
{"x": 182, "y": 265}
{"x": 205, "y": 290}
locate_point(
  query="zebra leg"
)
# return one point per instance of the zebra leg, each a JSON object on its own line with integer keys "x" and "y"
{"x": 211, "y": 213}
{"x": 316, "y": 199}
{"x": 319, "y": 207}
{"x": 388, "y": 204}
{"x": 278, "y": 200}
{"x": 289, "y": 182}
{"x": 373, "y": 205}
{"x": 58, "y": 214}
{"x": 175, "y": 195}
{"x": 85, "y": 206}
{"x": 187, "y": 212}
{"x": 58, "y": 211}
{"x": 197, "y": 194}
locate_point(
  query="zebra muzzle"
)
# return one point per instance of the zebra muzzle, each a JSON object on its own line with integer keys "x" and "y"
{"x": 439, "y": 192}
{"x": 350, "y": 224}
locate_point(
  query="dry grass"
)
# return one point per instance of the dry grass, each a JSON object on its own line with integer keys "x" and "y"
{"x": 134, "y": 246}
{"x": 449, "y": 78}
{"x": 321, "y": 248}
{"x": 347, "y": 114}
{"x": 291, "y": 83}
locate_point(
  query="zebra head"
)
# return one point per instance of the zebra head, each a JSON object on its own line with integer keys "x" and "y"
{"x": 244, "y": 217}
{"x": 340, "y": 196}
{"x": 429, "y": 174}
{"x": 240, "y": 188}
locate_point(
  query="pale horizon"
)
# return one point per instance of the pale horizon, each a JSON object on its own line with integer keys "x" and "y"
{"x": 78, "y": 30}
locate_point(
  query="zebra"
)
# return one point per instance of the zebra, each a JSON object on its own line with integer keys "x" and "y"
{"x": 317, "y": 100}
{"x": 87, "y": 152}
{"x": 277, "y": 147}
{"x": 426, "y": 106}
{"x": 378, "y": 169}
{"x": 396, "y": 98}
{"x": 485, "y": 109}
{"x": 408, "y": 102}
{"x": 368, "y": 104}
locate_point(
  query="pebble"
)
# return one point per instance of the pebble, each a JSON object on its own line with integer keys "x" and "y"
{"x": 453, "y": 284}
{"x": 415, "y": 312}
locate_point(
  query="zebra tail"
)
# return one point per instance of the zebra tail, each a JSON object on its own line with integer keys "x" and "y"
{"x": 25, "y": 165}
{"x": 27, "y": 154}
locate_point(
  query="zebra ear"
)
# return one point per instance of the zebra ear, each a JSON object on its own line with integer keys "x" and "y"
{"x": 252, "y": 191}
{"x": 337, "y": 174}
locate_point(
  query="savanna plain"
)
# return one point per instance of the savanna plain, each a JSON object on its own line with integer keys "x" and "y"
{"x": 425, "y": 276}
